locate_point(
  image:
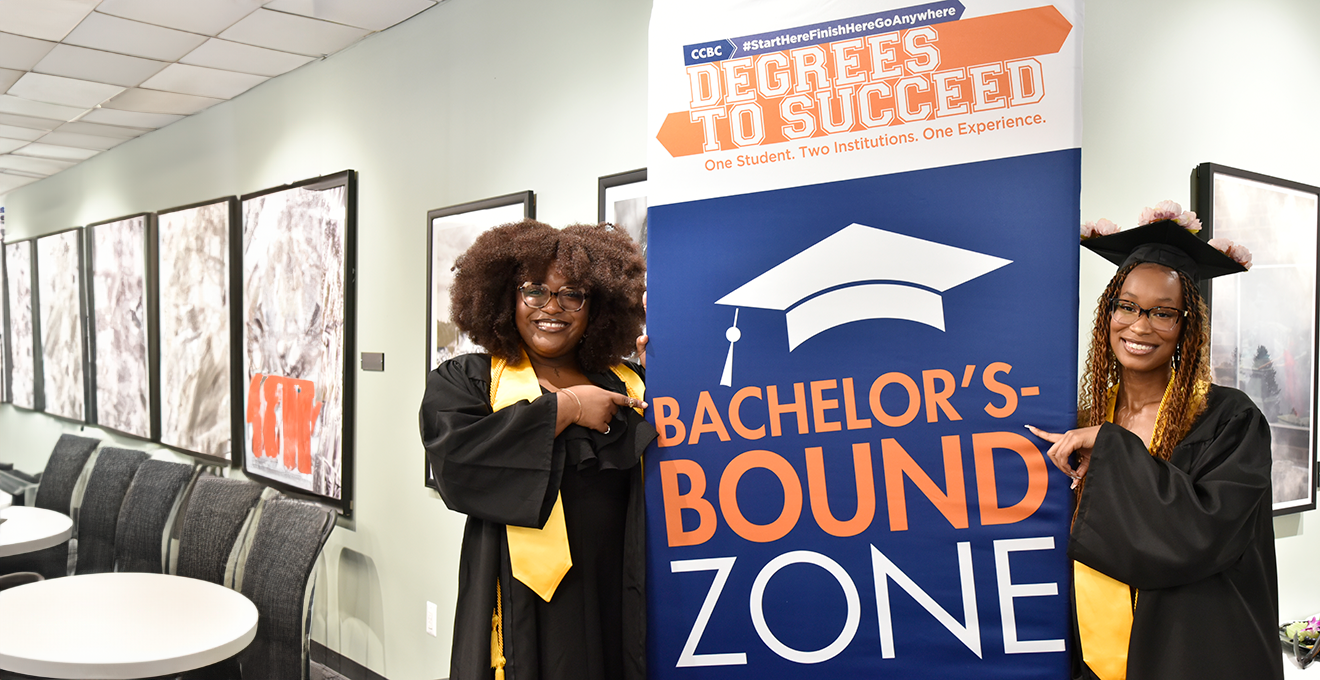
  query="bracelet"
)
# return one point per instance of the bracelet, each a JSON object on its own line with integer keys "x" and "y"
{"x": 579, "y": 404}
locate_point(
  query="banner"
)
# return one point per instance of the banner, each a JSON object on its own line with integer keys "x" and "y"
{"x": 863, "y": 272}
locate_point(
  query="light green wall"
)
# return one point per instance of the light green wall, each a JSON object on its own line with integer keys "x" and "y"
{"x": 478, "y": 98}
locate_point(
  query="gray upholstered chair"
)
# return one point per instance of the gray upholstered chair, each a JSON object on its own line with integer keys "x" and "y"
{"x": 98, "y": 517}
{"x": 289, "y": 537}
{"x": 58, "y": 481}
{"x": 217, "y": 512}
{"x": 152, "y": 500}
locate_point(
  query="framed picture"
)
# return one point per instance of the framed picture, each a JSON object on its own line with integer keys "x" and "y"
{"x": 449, "y": 233}
{"x": 20, "y": 329}
{"x": 4, "y": 322}
{"x": 118, "y": 341}
{"x": 1263, "y": 325}
{"x": 299, "y": 255}
{"x": 621, "y": 201}
{"x": 61, "y": 304}
{"x": 197, "y": 268}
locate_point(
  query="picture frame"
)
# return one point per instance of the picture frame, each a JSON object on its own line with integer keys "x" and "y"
{"x": 21, "y": 357}
{"x": 196, "y": 252}
{"x": 450, "y": 231}
{"x": 621, "y": 201}
{"x": 120, "y": 300}
{"x": 298, "y": 317}
{"x": 59, "y": 303}
{"x": 4, "y": 319}
{"x": 1263, "y": 325}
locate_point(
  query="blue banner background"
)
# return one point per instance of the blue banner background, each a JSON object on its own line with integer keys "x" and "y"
{"x": 1024, "y": 209}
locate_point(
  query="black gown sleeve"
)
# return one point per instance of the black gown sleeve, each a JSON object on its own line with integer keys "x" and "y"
{"x": 502, "y": 466}
{"x": 1153, "y": 523}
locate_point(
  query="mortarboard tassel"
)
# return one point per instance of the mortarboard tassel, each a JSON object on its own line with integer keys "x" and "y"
{"x": 733, "y": 334}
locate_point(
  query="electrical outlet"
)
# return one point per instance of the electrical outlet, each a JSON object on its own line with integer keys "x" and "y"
{"x": 430, "y": 618}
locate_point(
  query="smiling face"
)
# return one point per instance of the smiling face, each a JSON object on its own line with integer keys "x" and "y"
{"x": 550, "y": 333}
{"x": 1138, "y": 345}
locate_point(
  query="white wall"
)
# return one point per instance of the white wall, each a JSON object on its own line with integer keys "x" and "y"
{"x": 473, "y": 99}
{"x": 468, "y": 100}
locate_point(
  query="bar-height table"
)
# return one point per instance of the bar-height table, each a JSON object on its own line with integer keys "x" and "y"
{"x": 28, "y": 529}
{"x": 121, "y": 625}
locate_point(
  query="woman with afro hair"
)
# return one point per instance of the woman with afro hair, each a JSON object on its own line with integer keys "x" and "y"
{"x": 1172, "y": 537}
{"x": 539, "y": 442}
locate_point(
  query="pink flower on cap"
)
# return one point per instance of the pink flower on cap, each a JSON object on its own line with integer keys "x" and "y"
{"x": 1169, "y": 210}
{"x": 1101, "y": 227}
{"x": 1238, "y": 252}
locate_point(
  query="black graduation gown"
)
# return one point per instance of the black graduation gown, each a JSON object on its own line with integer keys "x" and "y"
{"x": 507, "y": 467}
{"x": 1195, "y": 536}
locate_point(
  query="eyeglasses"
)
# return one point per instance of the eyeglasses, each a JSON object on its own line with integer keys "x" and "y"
{"x": 1161, "y": 318}
{"x": 537, "y": 295}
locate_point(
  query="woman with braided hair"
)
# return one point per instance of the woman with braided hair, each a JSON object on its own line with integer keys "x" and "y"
{"x": 1172, "y": 536}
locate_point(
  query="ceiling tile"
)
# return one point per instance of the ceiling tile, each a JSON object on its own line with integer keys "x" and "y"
{"x": 104, "y": 32}
{"x": 376, "y": 15}
{"x": 26, "y": 107}
{"x": 203, "y": 82}
{"x": 8, "y": 77}
{"x": 15, "y": 132}
{"x": 291, "y": 33}
{"x": 45, "y": 19}
{"x": 82, "y": 127}
{"x": 81, "y": 141}
{"x": 60, "y": 153}
{"x": 30, "y": 122}
{"x": 36, "y": 166}
{"x": 20, "y": 52}
{"x": 83, "y": 94}
{"x": 155, "y": 101}
{"x": 7, "y": 145}
{"x": 232, "y": 56}
{"x": 99, "y": 66}
{"x": 126, "y": 118}
{"x": 198, "y": 16}
{"x": 10, "y": 182}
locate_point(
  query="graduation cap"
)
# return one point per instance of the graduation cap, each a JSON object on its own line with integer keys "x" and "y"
{"x": 1166, "y": 243}
{"x": 857, "y": 273}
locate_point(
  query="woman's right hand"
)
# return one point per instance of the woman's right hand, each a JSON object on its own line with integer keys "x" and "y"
{"x": 598, "y": 406}
{"x": 1079, "y": 441}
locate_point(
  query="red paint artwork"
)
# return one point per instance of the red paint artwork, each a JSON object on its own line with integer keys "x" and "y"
{"x": 282, "y": 412}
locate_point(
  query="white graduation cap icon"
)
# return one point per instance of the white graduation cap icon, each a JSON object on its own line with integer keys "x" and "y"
{"x": 857, "y": 273}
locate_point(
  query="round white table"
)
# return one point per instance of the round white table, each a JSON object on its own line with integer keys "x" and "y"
{"x": 27, "y": 529}
{"x": 121, "y": 625}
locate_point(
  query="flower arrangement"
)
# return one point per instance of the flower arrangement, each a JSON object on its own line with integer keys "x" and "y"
{"x": 1168, "y": 210}
{"x": 1300, "y": 637}
{"x": 1101, "y": 227}
{"x": 1237, "y": 251}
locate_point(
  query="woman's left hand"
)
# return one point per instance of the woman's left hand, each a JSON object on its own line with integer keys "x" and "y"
{"x": 642, "y": 339}
{"x": 1079, "y": 441}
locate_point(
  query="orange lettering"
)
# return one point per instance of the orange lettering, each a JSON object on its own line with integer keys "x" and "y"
{"x": 1010, "y": 397}
{"x": 820, "y": 405}
{"x": 798, "y": 407}
{"x": 938, "y": 398}
{"x": 736, "y": 420}
{"x": 820, "y": 505}
{"x": 707, "y": 419}
{"x": 666, "y": 416}
{"x": 878, "y": 409}
{"x": 788, "y": 517}
{"x": 953, "y": 504}
{"x": 675, "y": 503}
{"x": 983, "y": 446}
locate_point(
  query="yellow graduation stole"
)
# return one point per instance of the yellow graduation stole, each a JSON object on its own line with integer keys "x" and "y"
{"x": 540, "y": 557}
{"x": 1105, "y": 605}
